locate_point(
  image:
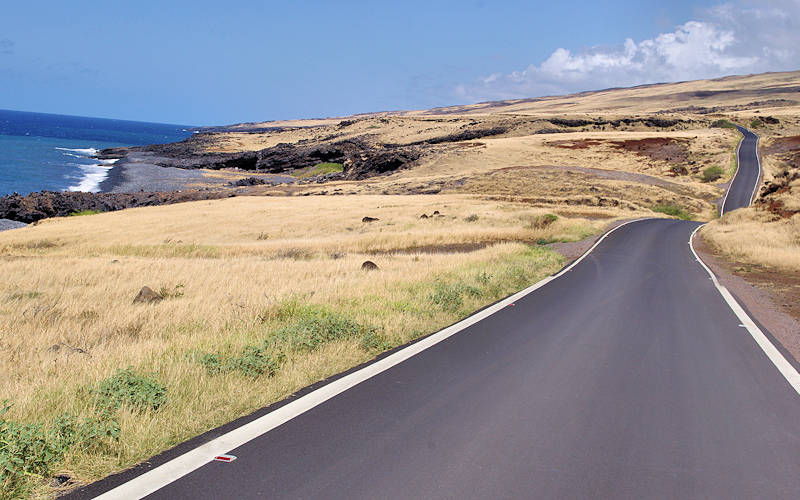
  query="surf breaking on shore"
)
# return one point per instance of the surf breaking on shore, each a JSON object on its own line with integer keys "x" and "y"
{"x": 92, "y": 175}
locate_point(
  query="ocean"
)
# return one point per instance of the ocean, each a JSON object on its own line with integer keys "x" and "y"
{"x": 54, "y": 152}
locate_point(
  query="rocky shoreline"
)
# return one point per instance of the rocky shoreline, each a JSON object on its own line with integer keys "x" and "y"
{"x": 198, "y": 169}
{"x": 171, "y": 173}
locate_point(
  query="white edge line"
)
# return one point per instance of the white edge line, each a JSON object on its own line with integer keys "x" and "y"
{"x": 182, "y": 465}
{"x": 758, "y": 179}
{"x": 784, "y": 367}
{"x": 738, "y": 163}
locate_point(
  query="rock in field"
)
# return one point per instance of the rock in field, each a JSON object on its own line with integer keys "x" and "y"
{"x": 368, "y": 265}
{"x": 147, "y": 296}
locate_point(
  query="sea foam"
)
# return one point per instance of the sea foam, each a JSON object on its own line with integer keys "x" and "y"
{"x": 93, "y": 175}
{"x": 81, "y": 151}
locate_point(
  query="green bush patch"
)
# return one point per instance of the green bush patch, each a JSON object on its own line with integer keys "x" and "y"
{"x": 33, "y": 450}
{"x": 85, "y": 212}
{"x": 722, "y": 124}
{"x": 450, "y": 296}
{"x": 252, "y": 361}
{"x": 308, "y": 329}
{"x": 712, "y": 173}
{"x": 316, "y": 327}
{"x": 128, "y": 388}
{"x": 674, "y": 210}
{"x": 318, "y": 169}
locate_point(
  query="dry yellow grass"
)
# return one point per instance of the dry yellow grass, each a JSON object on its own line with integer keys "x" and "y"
{"x": 68, "y": 320}
{"x": 538, "y": 168}
{"x": 753, "y": 236}
{"x": 767, "y": 89}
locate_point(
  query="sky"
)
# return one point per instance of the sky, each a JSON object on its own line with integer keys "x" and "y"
{"x": 204, "y": 62}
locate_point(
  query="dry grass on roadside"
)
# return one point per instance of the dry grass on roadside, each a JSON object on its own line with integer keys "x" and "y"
{"x": 253, "y": 286}
{"x": 753, "y": 236}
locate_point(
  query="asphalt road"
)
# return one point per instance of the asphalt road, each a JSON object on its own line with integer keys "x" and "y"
{"x": 627, "y": 377}
{"x": 741, "y": 190}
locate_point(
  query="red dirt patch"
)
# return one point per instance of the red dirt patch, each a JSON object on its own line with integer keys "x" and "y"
{"x": 657, "y": 148}
{"x": 783, "y": 145}
{"x": 675, "y": 151}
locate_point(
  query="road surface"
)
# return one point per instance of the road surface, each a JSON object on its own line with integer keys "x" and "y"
{"x": 627, "y": 377}
{"x": 742, "y": 188}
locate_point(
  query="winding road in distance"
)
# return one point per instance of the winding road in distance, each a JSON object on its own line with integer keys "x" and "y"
{"x": 627, "y": 376}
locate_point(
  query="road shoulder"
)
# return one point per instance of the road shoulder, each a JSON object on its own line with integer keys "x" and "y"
{"x": 775, "y": 305}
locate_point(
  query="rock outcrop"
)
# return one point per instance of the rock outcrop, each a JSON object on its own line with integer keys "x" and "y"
{"x": 44, "y": 204}
{"x": 360, "y": 159}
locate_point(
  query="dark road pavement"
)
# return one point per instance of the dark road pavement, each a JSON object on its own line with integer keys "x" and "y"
{"x": 741, "y": 190}
{"x": 627, "y": 377}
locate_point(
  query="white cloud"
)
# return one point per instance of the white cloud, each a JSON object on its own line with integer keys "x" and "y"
{"x": 732, "y": 38}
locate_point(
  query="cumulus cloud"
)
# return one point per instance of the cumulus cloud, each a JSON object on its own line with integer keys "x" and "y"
{"x": 733, "y": 38}
{"x": 6, "y": 46}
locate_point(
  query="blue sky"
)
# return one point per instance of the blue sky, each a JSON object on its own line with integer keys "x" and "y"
{"x": 201, "y": 62}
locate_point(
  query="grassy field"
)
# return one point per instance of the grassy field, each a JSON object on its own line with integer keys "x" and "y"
{"x": 753, "y": 236}
{"x": 262, "y": 296}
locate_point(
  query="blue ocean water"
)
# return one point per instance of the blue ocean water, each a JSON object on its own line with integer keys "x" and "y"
{"x": 54, "y": 152}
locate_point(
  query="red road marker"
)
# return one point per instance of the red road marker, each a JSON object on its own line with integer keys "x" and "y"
{"x": 225, "y": 458}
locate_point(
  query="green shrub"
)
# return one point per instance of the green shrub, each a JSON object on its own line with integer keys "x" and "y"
{"x": 712, "y": 173}
{"x": 171, "y": 293}
{"x": 32, "y": 450}
{"x": 471, "y": 218}
{"x": 450, "y": 296}
{"x": 756, "y": 123}
{"x": 128, "y": 388}
{"x": 254, "y": 361}
{"x": 373, "y": 341}
{"x": 673, "y": 210}
{"x": 722, "y": 124}
{"x": 309, "y": 328}
{"x": 316, "y": 327}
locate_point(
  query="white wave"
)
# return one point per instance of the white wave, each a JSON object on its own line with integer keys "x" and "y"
{"x": 109, "y": 162}
{"x": 93, "y": 175}
{"x": 82, "y": 151}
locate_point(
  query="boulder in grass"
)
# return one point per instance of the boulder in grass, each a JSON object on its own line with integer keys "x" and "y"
{"x": 147, "y": 296}
{"x": 368, "y": 265}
